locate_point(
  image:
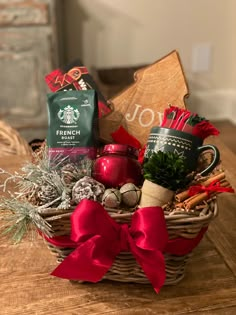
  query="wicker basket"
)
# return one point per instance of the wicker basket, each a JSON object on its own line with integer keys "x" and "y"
{"x": 125, "y": 268}
{"x": 11, "y": 143}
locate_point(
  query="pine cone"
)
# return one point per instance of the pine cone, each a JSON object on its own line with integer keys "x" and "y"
{"x": 70, "y": 174}
{"x": 87, "y": 188}
{"x": 47, "y": 193}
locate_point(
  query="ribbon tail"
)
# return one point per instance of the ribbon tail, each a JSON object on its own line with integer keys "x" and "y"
{"x": 88, "y": 262}
{"x": 153, "y": 265}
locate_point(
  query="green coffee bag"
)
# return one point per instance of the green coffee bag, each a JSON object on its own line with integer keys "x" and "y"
{"x": 72, "y": 124}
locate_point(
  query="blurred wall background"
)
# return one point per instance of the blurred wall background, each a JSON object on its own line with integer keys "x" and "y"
{"x": 106, "y": 34}
{"x": 29, "y": 49}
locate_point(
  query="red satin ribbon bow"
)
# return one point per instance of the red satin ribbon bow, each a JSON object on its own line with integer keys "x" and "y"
{"x": 100, "y": 239}
{"x": 213, "y": 187}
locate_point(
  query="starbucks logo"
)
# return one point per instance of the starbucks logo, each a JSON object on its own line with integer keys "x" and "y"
{"x": 68, "y": 115}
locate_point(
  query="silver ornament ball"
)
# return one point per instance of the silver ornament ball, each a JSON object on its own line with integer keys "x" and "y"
{"x": 111, "y": 198}
{"x": 130, "y": 194}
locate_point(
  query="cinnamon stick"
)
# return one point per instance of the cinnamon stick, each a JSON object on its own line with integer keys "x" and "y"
{"x": 184, "y": 194}
{"x": 181, "y": 196}
{"x": 192, "y": 202}
{"x": 217, "y": 177}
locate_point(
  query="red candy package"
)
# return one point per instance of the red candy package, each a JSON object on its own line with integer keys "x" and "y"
{"x": 75, "y": 76}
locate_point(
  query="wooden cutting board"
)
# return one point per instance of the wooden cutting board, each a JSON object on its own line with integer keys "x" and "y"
{"x": 141, "y": 105}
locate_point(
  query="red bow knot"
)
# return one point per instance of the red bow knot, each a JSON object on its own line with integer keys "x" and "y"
{"x": 99, "y": 239}
{"x": 124, "y": 237}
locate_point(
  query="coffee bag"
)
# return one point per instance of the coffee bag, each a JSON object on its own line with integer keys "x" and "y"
{"x": 72, "y": 124}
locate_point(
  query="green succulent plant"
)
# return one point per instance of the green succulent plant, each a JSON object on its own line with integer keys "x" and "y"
{"x": 166, "y": 169}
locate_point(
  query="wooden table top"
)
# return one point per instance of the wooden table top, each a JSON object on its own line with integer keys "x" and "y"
{"x": 209, "y": 286}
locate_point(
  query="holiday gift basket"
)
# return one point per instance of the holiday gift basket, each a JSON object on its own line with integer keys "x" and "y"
{"x": 122, "y": 189}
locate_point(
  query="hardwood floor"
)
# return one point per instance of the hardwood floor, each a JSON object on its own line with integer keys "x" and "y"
{"x": 227, "y": 133}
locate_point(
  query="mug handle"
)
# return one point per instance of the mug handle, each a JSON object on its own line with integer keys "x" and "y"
{"x": 216, "y": 157}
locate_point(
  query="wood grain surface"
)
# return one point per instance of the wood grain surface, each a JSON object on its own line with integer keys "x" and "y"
{"x": 140, "y": 106}
{"x": 209, "y": 286}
